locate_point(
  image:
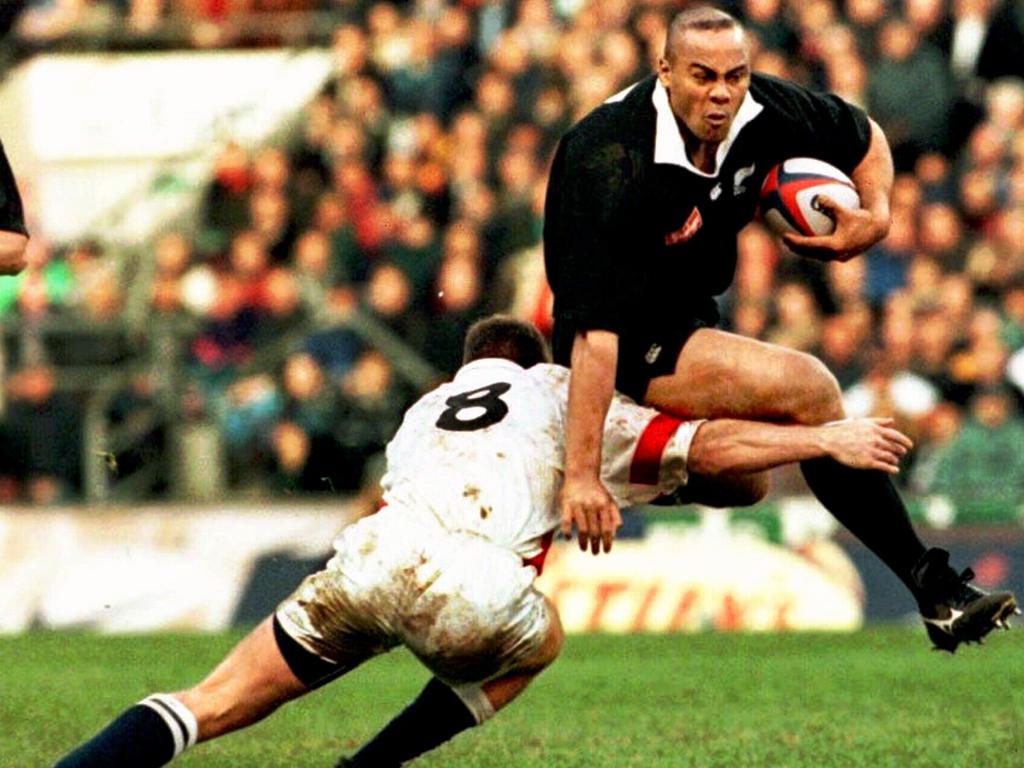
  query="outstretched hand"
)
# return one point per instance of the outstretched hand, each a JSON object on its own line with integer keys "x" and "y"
{"x": 588, "y": 505}
{"x": 856, "y": 231}
{"x": 866, "y": 444}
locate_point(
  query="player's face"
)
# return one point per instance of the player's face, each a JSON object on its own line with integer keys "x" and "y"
{"x": 707, "y": 80}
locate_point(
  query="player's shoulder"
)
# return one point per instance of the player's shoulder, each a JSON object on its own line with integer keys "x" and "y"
{"x": 762, "y": 83}
{"x": 785, "y": 99}
{"x": 617, "y": 123}
{"x": 548, "y": 375}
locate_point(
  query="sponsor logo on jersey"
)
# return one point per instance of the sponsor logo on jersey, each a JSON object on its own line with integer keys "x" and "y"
{"x": 742, "y": 175}
{"x": 688, "y": 230}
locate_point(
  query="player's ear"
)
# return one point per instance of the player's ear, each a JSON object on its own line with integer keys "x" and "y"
{"x": 664, "y": 70}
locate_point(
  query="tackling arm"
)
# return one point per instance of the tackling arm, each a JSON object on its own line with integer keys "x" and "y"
{"x": 721, "y": 450}
{"x": 586, "y": 503}
{"x": 730, "y": 446}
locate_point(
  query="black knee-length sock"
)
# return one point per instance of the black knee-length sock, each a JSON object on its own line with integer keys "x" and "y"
{"x": 148, "y": 735}
{"x": 433, "y": 718}
{"x": 867, "y": 503}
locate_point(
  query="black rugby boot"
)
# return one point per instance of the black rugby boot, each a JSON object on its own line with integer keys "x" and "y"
{"x": 954, "y": 610}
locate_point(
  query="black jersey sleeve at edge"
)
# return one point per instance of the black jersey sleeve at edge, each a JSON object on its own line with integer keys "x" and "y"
{"x": 822, "y": 125}
{"x": 583, "y": 233}
{"x": 12, "y": 216}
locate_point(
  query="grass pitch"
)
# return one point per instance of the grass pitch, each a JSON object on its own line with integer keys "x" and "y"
{"x": 874, "y": 698}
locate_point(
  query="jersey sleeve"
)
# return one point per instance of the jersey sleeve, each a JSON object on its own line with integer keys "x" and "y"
{"x": 822, "y": 125}
{"x": 12, "y": 216}
{"x": 584, "y": 231}
{"x": 645, "y": 452}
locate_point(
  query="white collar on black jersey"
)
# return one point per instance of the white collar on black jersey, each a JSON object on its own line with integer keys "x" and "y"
{"x": 669, "y": 148}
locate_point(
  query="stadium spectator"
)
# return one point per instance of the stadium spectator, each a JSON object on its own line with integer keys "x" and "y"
{"x": 226, "y": 202}
{"x": 44, "y": 283}
{"x": 47, "y": 20}
{"x": 841, "y": 349}
{"x": 305, "y": 453}
{"x": 247, "y": 409}
{"x": 939, "y": 429}
{"x": 172, "y": 256}
{"x": 42, "y": 426}
{"x": 455, "y": 303}
{"x": 369, "y": 411}
{"x": 797, "y": 323}
{"x": 896, "y": 391}
{"x": 909, "y": 70}
{"x": 934, "y": 340}
{"x": 981, "y": 469}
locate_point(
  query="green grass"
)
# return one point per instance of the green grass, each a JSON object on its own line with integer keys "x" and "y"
{"x": 875, "y": 698}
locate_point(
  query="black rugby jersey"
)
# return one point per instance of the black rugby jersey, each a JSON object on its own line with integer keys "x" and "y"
{"x": 12, "y": 217}
{"x": 635, "y": 236}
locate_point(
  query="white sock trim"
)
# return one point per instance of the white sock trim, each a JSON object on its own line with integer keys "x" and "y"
{"x": 191, "y": 724}
{"x": 476, "y": 701}
{"x": 179, "y": 719}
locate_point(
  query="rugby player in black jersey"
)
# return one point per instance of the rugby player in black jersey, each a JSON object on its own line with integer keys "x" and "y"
{"x": 646, "y": 196}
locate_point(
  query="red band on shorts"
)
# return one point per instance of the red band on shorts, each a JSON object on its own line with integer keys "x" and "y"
{"x": 537, "y": 561}
{"x": 646, "y": 465}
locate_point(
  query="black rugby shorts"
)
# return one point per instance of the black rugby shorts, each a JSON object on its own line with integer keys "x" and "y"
{"x": 645, "y": 356}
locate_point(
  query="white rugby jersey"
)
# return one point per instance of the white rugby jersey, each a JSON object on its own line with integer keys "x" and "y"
{"x": 484, "y": 453}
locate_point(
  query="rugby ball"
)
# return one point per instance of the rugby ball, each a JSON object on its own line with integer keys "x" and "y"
{"x": 789, "y": 196}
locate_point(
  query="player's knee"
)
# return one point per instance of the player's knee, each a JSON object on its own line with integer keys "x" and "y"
{"x": 750, "y": 490}
{"x": 550, "y": 646}
{"x": 818, "y": 398}
{"x": 553, "y": 641}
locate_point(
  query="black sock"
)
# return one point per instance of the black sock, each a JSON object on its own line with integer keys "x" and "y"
{"x": 433, "y": 718}
{"x": 866, "y": 502}
{"x": 150, "y": 734}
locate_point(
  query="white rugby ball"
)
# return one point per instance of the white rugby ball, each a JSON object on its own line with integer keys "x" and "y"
{"x": 789, "y": 196}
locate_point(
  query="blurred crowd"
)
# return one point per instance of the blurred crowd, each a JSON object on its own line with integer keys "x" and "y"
{"x": 414, "y": 190}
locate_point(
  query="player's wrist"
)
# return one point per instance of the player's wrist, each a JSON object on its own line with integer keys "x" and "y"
{"x": 822, "y": 441}
{"x": 581, "y": 476}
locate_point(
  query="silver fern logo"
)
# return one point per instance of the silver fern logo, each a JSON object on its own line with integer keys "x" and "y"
{"x": 742, "y": 175}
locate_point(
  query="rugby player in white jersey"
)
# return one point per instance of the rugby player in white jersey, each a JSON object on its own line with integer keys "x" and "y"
{"x": 447, "y": 566}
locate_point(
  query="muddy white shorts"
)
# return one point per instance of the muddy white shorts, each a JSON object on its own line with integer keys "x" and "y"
{"x": 466, "y": 607}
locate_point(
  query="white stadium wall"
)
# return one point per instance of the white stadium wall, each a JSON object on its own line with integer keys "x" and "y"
{"x": 117, "y": 144}
{"x": 141, "y": 569}
{"x": 166, "y": 568}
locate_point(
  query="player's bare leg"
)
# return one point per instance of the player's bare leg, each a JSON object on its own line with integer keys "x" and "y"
{"x": 248, "y": 685}
{"x": 720, "y": 374}
{"x": 440, "y": 712}
{"x": 723, "y": 375}
{"x": 252, "y": 682}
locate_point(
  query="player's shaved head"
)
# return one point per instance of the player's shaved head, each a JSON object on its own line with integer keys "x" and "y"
{"x": 505, "y": 337}
{"x": 704, "y": 18}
